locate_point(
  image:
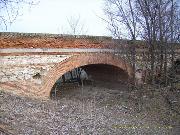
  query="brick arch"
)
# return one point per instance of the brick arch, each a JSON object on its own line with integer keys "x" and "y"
{"x": 77, "y": 61}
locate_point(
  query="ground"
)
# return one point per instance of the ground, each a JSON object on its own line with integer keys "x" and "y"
{"x": 93, "y": 109}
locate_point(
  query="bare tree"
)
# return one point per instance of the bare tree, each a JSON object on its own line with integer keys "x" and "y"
{"x": 159, "y": 19}
{"x": 75, "y": 26}
{"x": 155, "y": 21}
{"x": 11, "y": 9}
{"x": 122, "y": 15}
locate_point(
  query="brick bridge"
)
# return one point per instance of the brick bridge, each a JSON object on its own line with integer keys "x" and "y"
{"x": 23, "y": 56}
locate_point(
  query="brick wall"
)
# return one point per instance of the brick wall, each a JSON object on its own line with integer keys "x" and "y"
{"x": 23, "y": 40}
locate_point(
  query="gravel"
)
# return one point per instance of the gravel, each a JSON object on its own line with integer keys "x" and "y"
{"x": 91, "y": 110}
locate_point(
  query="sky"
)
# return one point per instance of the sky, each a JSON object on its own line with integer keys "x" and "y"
{"x": 51, "y": 16}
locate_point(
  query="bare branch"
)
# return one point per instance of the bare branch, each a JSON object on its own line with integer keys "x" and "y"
{"x": 11, "y": 9}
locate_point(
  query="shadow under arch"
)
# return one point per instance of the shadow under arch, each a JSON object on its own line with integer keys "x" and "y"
{"x": 78, "y": 61}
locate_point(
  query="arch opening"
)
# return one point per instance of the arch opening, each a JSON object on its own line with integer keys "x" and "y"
{"x": 101, "y": 76}
{"x": 81, "y": 60}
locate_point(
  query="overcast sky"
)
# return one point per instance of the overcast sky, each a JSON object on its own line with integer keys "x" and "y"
{"x": 50, "y": 16}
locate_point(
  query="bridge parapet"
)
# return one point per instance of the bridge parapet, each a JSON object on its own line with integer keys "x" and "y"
{"x": 38, "y": 40}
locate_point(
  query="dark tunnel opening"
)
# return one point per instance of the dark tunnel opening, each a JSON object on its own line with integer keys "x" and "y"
{"x": 104, "y": 74}
{"x": 93, "y": 75}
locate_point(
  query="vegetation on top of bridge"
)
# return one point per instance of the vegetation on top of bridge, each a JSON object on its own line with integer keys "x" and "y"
{"x": 48, "y": 35}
